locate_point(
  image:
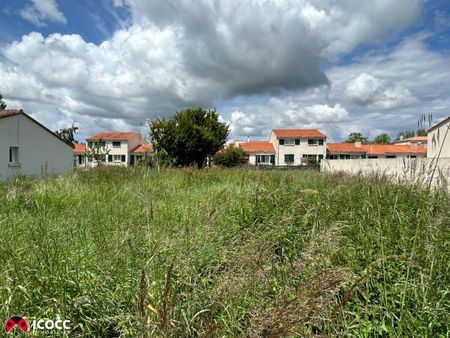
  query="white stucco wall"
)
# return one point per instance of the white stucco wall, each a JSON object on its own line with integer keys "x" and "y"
{"x": 297, "y": 150}
{"x": 40, "y": 152}
{"x": 408, "y": 169}
{"x": 438, "y": 138}
{"x": 126, "y": 146}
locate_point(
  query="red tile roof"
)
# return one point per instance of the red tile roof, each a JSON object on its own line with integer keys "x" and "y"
{"x": 301, "y": 133}
{"x": 393, "y": 149}
{"x": 376, "y": 149}
{"x": 257, "y": 147}
{"x": 10, "y": 112}
{"x": 112, "y": 136}
{"x": 413, "y": 139}
{"x": 80, "y": 148}
{"x": 344, "y": 148}
{"x": 143, "y": 148}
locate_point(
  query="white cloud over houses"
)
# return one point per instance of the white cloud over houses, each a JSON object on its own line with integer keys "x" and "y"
{"x": 182, "y": 53}
{"x": 39, "y": 11}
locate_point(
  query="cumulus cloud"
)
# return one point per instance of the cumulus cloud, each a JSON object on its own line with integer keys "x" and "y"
{"x": 368, "y": 90}
{"x": 183, "y": 53}
{"x": 38, "y": 11}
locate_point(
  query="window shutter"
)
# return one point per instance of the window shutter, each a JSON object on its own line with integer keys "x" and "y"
{"x": 272, "y": 159}
{"x": 281, "y": 142}
{"x": 297, "y": 142}
{"x": 123, "y": 158}
{"x": 110, "y": 158}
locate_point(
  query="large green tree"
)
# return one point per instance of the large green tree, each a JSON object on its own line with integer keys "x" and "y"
{"x": 2, "y": 103}
{"x": 189, "y": 136}
{"x": 356, "y": 137}
{"x": 382, "y": 139}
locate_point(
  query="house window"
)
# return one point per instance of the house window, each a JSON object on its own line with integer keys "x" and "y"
{"x": 320, "y": 142}
{"x": 312, "y": 142}
{"x": 391, "y": 156}
{"x": 320, "y": 158}
{"x": 289, "y": 158}
{"x": 281, "y": 142}
{"x": 263, "y": 159}
{"x": 103, "y": 144}
{"x": 297, "y": 142}
{"x": 372, "y": 156}
{"x": 14, "y": 156}
{"x": 116, "y": 144}
{"x": 116, "y": 158}
{"x": 289, "y": 142}
{"x": 124, "y": 158}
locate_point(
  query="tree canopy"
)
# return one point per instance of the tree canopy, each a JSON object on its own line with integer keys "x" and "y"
{"x": 67, "y": 134}
{"x": 229, "y": 157}
{"x": 2, "y": 103}
{"x": 356, "y": 137}
{"x": 189, "y": 136}
{"x": 382, "y": 139}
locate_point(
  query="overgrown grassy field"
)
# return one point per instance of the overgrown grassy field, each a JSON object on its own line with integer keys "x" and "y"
{"x": 226, "y": 253}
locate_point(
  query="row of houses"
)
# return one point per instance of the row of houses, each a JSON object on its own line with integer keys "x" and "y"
{"x": 29, "y": 148}
{"x": 310, "y": 146}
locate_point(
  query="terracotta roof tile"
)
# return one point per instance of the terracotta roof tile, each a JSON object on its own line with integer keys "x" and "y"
{"x": 340, "y": 148}
{"x": 413, "y": 139}
{"x": 257, "y": 147}
{"x": 112, "y": 136}
{"x": 393, "y": 149}
{"x": 143, "y": 148}
{"x": 376, "y": 149}
{"x": 10, "y": 112}
{"x": 301, "y": 133}
{"x": 80, "y": 148}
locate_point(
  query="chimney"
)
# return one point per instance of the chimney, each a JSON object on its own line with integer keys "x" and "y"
{"x": 236, "y": 142}
{"x": 358, "y": 144}
{"x": 248, "y": 139}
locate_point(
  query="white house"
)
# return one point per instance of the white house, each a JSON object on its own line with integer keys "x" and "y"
{"x": 29, "y": 148}
{"x": 414, "y": 140}
{"x": 298, "y": 146}
{"x": 258, "y": 152}
{"x": 439, "y": 139}
{"x": 121, "y": 148}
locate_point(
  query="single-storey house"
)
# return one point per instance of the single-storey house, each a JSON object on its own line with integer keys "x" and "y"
{"x": 258, "y": 152}
{"x": 414, "y": 140}
{"x": 345, "y": 151}
{"x": 29, "y": 148}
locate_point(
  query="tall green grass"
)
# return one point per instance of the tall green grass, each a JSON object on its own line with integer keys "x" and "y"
{"x": 214, "y": 253}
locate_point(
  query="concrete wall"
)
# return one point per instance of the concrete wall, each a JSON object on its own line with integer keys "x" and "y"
{"x": 40, "y": 152}
{"x": 297, "y": 150}
{"x": 436, "y": 139}
{"x": 404, "y": 169}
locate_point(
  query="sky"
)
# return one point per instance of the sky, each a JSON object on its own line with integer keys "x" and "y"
{"x": 339, "y": 66}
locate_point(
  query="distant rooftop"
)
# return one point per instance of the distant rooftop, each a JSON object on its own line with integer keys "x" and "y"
{"x": 112, "y": 136}
{"x": 300, "y": 133}
{"x": 257, "y": 147}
